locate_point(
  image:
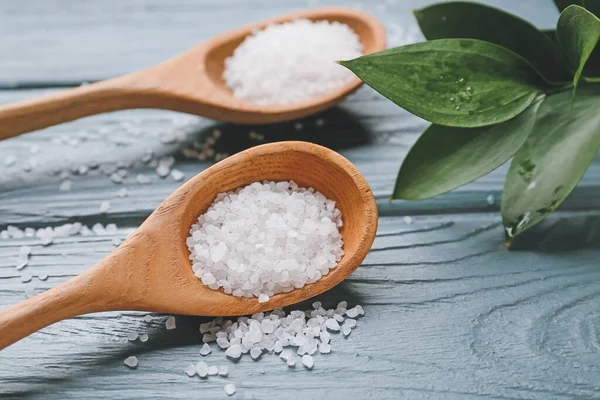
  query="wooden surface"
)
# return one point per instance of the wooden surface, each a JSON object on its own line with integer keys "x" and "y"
{"x": 450, "y": 313}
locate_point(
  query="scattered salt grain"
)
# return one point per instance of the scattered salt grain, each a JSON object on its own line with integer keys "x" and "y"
{"x": 291, "y": 62}
{"x": 266, "y": 238}
{"x": 205, "y": 350}
{"x": 170, "y": 323}
{"x": 346, "y": 329}
{"x": 408, "y": 220}
{"x": 213, "y": 370}
{"x": 255, "y": 353}
{"x": 291, "y": 361}
{"x": 490, "y": 199}
{"x": 177, "y": 175}
{"x": 142, "y": 179}
{"x": 202, "y": 369}
{"x": 223, "y": 370}
{"x": 308, "y": 361}
{"x": 234, "y": 351}
{"x": 26, "y": 278}
{"x": 324, "y": 348}
{"x": 65, "y": 186}
{"x": 42, "y": 276}
{"x": 148, "y": 318}
{"x": 131, "y": 362}
{"x": 10, "y": 160}
{"x": 190, "y": 370}
{"x": 104, "y": 207}
{"x": 332, "y": 325}
{"x": 229, "y": 389}
{"x": 132, "y": 336}
{"x": 122, "y": 193}
{"x": 144, "y": 337}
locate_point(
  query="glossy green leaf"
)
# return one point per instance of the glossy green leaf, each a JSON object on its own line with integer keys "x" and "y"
{"x": 445, "y": 158}
{"x": 578, "y": 32}
{"x": 591, "y": 5}
{"x": 478, "y": 21}
{"x": 452, "y": 82}
{"x": 553, "y": 159}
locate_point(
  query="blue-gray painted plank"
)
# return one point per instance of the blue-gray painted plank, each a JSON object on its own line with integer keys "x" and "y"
{"x": 451, "y": 314}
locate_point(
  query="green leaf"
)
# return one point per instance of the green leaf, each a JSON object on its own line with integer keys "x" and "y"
{"x": 578, "y": 32}
{"x": 553, "y": 159}
{"x": 445, "y": 158}
{"x": 562, "y": 4}
{"x": 478, "y": 21}
{"x": 591, "y": 5}
{"x": 452, "y": 82}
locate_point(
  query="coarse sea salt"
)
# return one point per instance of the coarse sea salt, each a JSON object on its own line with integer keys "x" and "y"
{"x": 266, "y": 238}
{"x": 291, "y": 62}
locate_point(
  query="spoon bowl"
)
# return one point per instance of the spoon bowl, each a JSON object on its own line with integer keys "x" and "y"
{"x": 191, "y": 82}
{"x": 151, "y": 270}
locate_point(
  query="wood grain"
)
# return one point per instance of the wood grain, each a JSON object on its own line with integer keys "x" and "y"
{"x": 450, "y": 314}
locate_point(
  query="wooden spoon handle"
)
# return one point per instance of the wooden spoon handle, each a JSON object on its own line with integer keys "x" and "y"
{"x": 109, "y": 285}
{"x": 64, "y": 301}
{"x": 29, "y": 115}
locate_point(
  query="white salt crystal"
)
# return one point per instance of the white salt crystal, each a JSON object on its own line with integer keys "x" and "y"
{"x": 308, "y": 361}
{"x": 10, "y": 160}
{"x": 291, "y": 361}
{"x": 104, "y": 207}
{"x": 278, "y": 51}
{"x": 490, "y": 199}
{"x": 131, "y": 362}
{"x": 255, "y": 353}
{"x": 325, "y": 348}
{"x": 42, "y": 276}
{"x": 142, "y": 179}
{"x": 26, "y": 278}
{"x": 144, "y": 337}
{"x": 222, "y": 342}
{"x": 234, "y": 351}
{"x": 177, "y": 175}
{"x": 346, "y": 329}
{"x": 65, "y": 186}
{"x": 353, "y": 312}
{"x": 148, "y": 318}
{"x": 223, "y": 370}
{"x": 202, "y": 369}
{"x": 332, "y": 325}
{"x": 122, "y": 193}
{"x": 170, "y": 323}
{"x": 408, "y": 220}
{"x": 205, "y": 350}
{"x": 229, "y": 389}
{"x": 213, "y": 370}
{"x": 190, "y": 370}
{"x": 263, "y": 298}
{"x": 132, "y": 336}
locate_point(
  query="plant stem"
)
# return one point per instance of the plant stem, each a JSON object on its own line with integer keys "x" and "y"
{"x": 560, "y": 89}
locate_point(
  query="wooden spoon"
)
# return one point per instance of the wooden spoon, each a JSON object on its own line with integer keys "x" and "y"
{"x": 151, "y": 270}
{"x": 191, "y": 82}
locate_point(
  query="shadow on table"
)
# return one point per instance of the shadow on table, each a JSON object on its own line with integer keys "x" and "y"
{"x": 335, "y": 128}
{"x": 71, "y": 366}
{"x": 561, "y": 233}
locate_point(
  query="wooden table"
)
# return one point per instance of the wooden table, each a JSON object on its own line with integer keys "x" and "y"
{"x": 450, "y": 313}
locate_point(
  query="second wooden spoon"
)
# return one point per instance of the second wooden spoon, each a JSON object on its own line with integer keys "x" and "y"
{"x": 191, "y": 82}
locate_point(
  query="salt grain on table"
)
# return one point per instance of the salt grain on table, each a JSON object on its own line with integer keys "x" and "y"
{"x": 170, "y": 323}
{"x": 205, "y": 350}
{"x": 229, "y": 389}
{"x": 131, "y": 362}
{"x": 144, "y": 337}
